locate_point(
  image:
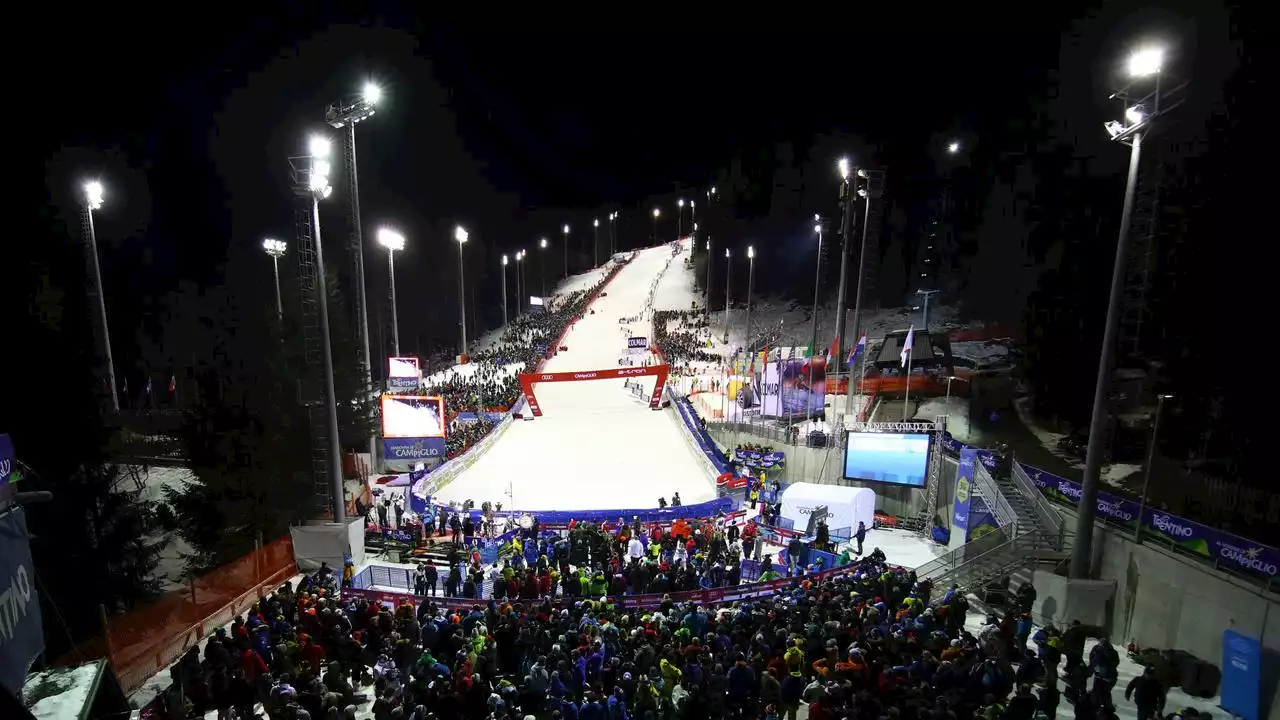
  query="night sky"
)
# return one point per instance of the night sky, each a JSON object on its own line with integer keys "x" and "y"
{"x": 513, "y": 131}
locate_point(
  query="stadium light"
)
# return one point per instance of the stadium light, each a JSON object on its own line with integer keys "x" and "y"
{"x": 275, "y": 249}
{"x": 843, "y": 166}
{"x": 566, "y": 251}
{"x": 1146, "y": 61}
{"x": 93, "y": 195}
{"x": 953, "y": 147}
{"x": 504, "y": 289}
{"x": 393, "y": 242}
{"x": 460, "y": 234}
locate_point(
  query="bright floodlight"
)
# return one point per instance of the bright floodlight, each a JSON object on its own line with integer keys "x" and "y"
{"x": 390, "y": 239}
{"x": 566, "y": 229}
{"x": 751, "y": 251}
{"x": 656, "y": 212}
{"x": 817, "y": 217}
{"x": 459, "y": 234}
{"x": 93, "y": 194}
{"x": 713, "y": 189}
{"x": 1134, "y": 115}
{"x": 1146, "y": 61}
{"x": 274, "y": 248}
{"x": 680, "y": 202}
{"x": 843, "y": 165}
{"x": 817, "y": 228}
{"x": 320, "y": 167}
{"x": 595, "y": 223}
{"x": 726, "y": 252}
{"x": 953, "y": 147}
{"x": 504, "y": 259}
{"x": 319, "y": 146}
{"x": 542, "y": 243}
{"x": 372, "y": 93}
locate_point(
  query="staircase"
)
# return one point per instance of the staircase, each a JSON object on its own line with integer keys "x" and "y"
{"x": 1030, "y": 533}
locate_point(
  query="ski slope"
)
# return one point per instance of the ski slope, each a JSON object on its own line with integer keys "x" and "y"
{"x": 597, "y": 445}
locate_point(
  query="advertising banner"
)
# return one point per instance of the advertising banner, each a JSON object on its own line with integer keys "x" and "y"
{"x": 402, "y": 384}
{"x": 403, "y": 367}
{"x": 1241, "y": 675}
{"x": 637, "y": 342}
{"x": 409, "y": 449}
{"x": 952, "y": 447}
{"x": 6, "y": 459}
{"x": 964, "y": 492}
{"x": 1222, "y": 548}
{"x": 21, "y": 634}
{"x": 793, "y": 387}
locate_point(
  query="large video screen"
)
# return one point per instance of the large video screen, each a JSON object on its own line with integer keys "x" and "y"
{"x": 893, "y": 458}
{"x": 412, "y": 416}
{"x": 406, "y": 367}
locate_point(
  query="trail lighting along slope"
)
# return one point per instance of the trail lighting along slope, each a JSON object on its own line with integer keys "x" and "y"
{"x": 596, "y": 444}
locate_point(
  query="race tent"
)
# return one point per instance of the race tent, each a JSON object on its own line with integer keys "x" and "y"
{"x": 804, "y": 504}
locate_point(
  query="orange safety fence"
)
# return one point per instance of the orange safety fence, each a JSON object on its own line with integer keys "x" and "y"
{"x": 146, "y": 640}
{"x": 922, "y": 384}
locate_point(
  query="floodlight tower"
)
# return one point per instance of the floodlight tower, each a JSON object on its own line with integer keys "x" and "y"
{"x": 505, "y": 260}
{"x": 613, "y": 232}
{"x": 461, "y": 236}
{"x": 93, "y": 193}
{"x": 346, "y": 115}
{"x": 276, "y": 248}
{"x": 311, "y": 182}
{"x": 393, "y": 242}
{"x": 542, "y": 266}
{"x": 520, "y": 285}
{"x": 656, "y": 213}
{"x": 1141, "y": 111}
{"x": 566, "y": 251}
{"x": 680, "y": 218}
{"x": 595, "y": 242}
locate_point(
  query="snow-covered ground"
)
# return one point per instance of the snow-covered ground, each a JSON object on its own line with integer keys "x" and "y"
{"x": 596, "y": 445}
{"x": 982, "y": 354}
{"x": 154, "y": 482}
{"x": 1113, "y": 473}
{"x": 60, "y": 693}
{"x": 466, "y": 371}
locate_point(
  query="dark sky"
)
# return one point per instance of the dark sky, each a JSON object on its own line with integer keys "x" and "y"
{"x": 511, "y": 127}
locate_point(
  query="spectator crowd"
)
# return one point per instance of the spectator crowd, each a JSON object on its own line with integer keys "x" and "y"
{"x": 683, "y": 336}
{"x": 870, "y": 643}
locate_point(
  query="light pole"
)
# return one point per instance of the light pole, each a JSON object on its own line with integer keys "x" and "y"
{"x": 680, "y": 218}
{"x": 542, "y": 266}
{"x": 314, "y": 181}
{"x": 595, "y": 242}
{"x": 1143, "y": 63}
{"x": 817, "y": 284}
{"x": 728, "y": 280}
{"x": 1146, "y": 471}
{"x": 504, "y": 289}
{"x": 947, "y": 401}
{"x": 613, "y": 234}
{"x": 846, "y": 231}
{"x": 460, "y": 235}
{"x": 347, "y": 115}
{"x": 707, "y": 314}
{"x": 93, "y": 193}
{"x": 393, "y": 242}
{"x": 926, "y": 294}
{"x": 566, "y": 252}
{"x": 848, "y": 174}
{"x": 276, "y": 248}
{"x": 751, "y": 284}
{"x": 953, "y": 147}
{"x": 656, "y": 213}
{"x": 693, "y": 217}
{"x": 520, "y": 286}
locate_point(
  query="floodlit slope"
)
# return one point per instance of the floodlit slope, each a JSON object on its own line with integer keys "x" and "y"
{"x": 596, "y": 445}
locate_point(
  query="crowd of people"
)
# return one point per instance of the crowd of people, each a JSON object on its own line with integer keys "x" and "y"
{"x": 869, "y": 643}
{"x": 683, "y": 336}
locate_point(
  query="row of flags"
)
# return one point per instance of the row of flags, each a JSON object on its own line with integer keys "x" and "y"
{"x": 173, "y": 385}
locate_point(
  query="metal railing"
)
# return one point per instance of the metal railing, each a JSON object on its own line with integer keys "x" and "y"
{"x": 943, "y": 565}
{"x": 1050, "y": 519}
{"x": 996, "y": 501}
{"x": 991, "y": 555}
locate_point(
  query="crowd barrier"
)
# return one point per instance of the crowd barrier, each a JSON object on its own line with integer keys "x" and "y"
{"x": 1223, "y": 549}
{"x": 746, "y": 591}
{"x": 703, "y": 443}
{"x": 145, "y": 641}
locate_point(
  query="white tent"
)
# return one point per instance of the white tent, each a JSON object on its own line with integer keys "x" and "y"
{"x": 842, "y": 507}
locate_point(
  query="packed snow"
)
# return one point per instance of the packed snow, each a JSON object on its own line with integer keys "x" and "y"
{"x": 61, "y": 693}
{"x": 597, "y": 445}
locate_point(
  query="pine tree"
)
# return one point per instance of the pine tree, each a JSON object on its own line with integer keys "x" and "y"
{"x": 93, "y": 543}
{"x": 247, "y": 434}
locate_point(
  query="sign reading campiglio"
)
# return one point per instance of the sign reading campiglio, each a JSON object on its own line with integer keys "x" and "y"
{"x": 1224, "y": 549}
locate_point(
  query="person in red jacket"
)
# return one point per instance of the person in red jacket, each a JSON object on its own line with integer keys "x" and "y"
{"x": 251, "y": 664}
{"x": 311, "y": 653}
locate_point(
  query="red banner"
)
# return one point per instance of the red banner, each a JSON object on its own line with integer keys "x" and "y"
{"x": 528, "y": 380}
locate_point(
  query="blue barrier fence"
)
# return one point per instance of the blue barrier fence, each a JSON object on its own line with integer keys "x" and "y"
{"x": 701, "y": 436}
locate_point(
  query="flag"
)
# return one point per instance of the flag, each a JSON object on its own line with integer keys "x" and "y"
{"x": 173, "y": 383}
{"x": 148, "y": 385}
{"x": 857, "y": 350}
{"x": 906, "y": 346}
{"x": 834, "y": 349}
{"x": 124, "y": 387}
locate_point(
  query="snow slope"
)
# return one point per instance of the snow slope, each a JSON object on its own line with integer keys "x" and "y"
{"x": 597, "y": 445}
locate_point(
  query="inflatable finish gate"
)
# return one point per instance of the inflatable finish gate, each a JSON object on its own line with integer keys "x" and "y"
{"x": 527, "y": 381}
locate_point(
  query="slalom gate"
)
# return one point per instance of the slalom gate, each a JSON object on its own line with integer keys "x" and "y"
{"x": 528, "y": 380}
